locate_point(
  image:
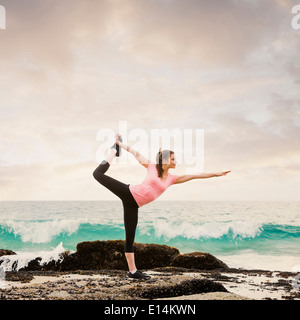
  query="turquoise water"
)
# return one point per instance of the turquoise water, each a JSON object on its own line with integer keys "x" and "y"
{"x": 246, "y": 234}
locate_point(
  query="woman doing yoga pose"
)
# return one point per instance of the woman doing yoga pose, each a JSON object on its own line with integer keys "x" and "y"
{"x": 157, "y": 180}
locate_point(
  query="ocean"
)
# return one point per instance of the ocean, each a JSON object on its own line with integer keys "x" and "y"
{"x": 252, "y": 235}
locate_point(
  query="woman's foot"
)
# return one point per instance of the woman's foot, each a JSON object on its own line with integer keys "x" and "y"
{"x": 110, "y": 156}
{"x": 138, "y": 275}
{"x": 117, "y": 147}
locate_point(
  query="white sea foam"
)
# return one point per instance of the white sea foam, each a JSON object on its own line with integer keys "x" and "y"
{"x": 21, "y": 259}
{"x": 42, "y": 231}
{"x": 188, "y": 230}
{"x": 249, "y": 259}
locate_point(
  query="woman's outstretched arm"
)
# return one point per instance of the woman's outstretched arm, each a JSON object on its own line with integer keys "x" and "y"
{"x": 188, "y": 177}
{"x": 139, "y": 157}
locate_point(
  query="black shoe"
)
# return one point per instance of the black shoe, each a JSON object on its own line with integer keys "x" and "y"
{"x": 138, "y": 275}
{"x": 117, "y": 148}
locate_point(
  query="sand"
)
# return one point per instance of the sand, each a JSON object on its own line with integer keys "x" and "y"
{"x": 107, "y": 285}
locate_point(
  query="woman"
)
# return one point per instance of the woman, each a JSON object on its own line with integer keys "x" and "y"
{"x": 158, "y": 179}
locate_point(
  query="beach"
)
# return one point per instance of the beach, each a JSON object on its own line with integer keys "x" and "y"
{"x": 60, "y": 250}
{"x": 113, "y": 285}
{"x": 98, "y": 271}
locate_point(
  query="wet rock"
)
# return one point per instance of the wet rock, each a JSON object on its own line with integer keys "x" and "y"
{"x": 96, "y": 255}
{"x": 198, "y": 260}
{"x": 186, "y": 287}
{"x": 149, "y": 256}
{"x": 4, "y": 252}
{"x": 101, "y": 255}
{"x": 59, "y": 294}
{"x": 18, "y": 276}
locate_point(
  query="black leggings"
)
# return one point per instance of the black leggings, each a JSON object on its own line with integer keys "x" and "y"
{"x": 130, "y": 206}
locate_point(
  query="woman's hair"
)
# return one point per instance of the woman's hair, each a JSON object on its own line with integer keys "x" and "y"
{"x": 162, "y": 155}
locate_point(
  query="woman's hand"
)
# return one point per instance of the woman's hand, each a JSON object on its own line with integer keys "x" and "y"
{"x": 220, "y": 174}
{"x": 140, "y": 158}
{"x": 121, "y": 144}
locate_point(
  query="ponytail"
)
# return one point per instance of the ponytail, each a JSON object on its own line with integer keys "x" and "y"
{"x": 159, "y": 167}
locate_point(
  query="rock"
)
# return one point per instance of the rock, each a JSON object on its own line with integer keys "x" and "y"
{"x": 198, "y": 260}
{"x": 4, "y": 252}
{"x": 99, "y": 255}
{"x": 149, "y": 256}
{"x": 186, "y": 287}
{"x": 18, "y": 276}
{"x": 96, "y": 255}
{"x": 59, "y": 294}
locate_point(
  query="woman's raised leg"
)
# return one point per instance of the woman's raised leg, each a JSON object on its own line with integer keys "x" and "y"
{"x": 115, "y": 186}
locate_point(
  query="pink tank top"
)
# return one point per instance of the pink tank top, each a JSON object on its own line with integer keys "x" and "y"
{"x": 152, "y": 187}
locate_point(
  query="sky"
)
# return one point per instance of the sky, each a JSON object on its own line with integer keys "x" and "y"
{"x": 71, "y": 69}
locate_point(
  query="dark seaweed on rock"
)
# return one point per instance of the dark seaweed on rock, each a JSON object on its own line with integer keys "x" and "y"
{"x": 97, "y": 255}
{"x": 4, "y": 252}
{"x": 186, "y": 287}
{"x": 198, "y": 260}
{"x": 102, "y": 255}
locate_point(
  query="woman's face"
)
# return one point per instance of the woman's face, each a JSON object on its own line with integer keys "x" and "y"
{"x": 172, "y": 161}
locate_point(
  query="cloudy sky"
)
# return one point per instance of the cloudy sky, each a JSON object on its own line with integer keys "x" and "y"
{"x": 69, "y": 69}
